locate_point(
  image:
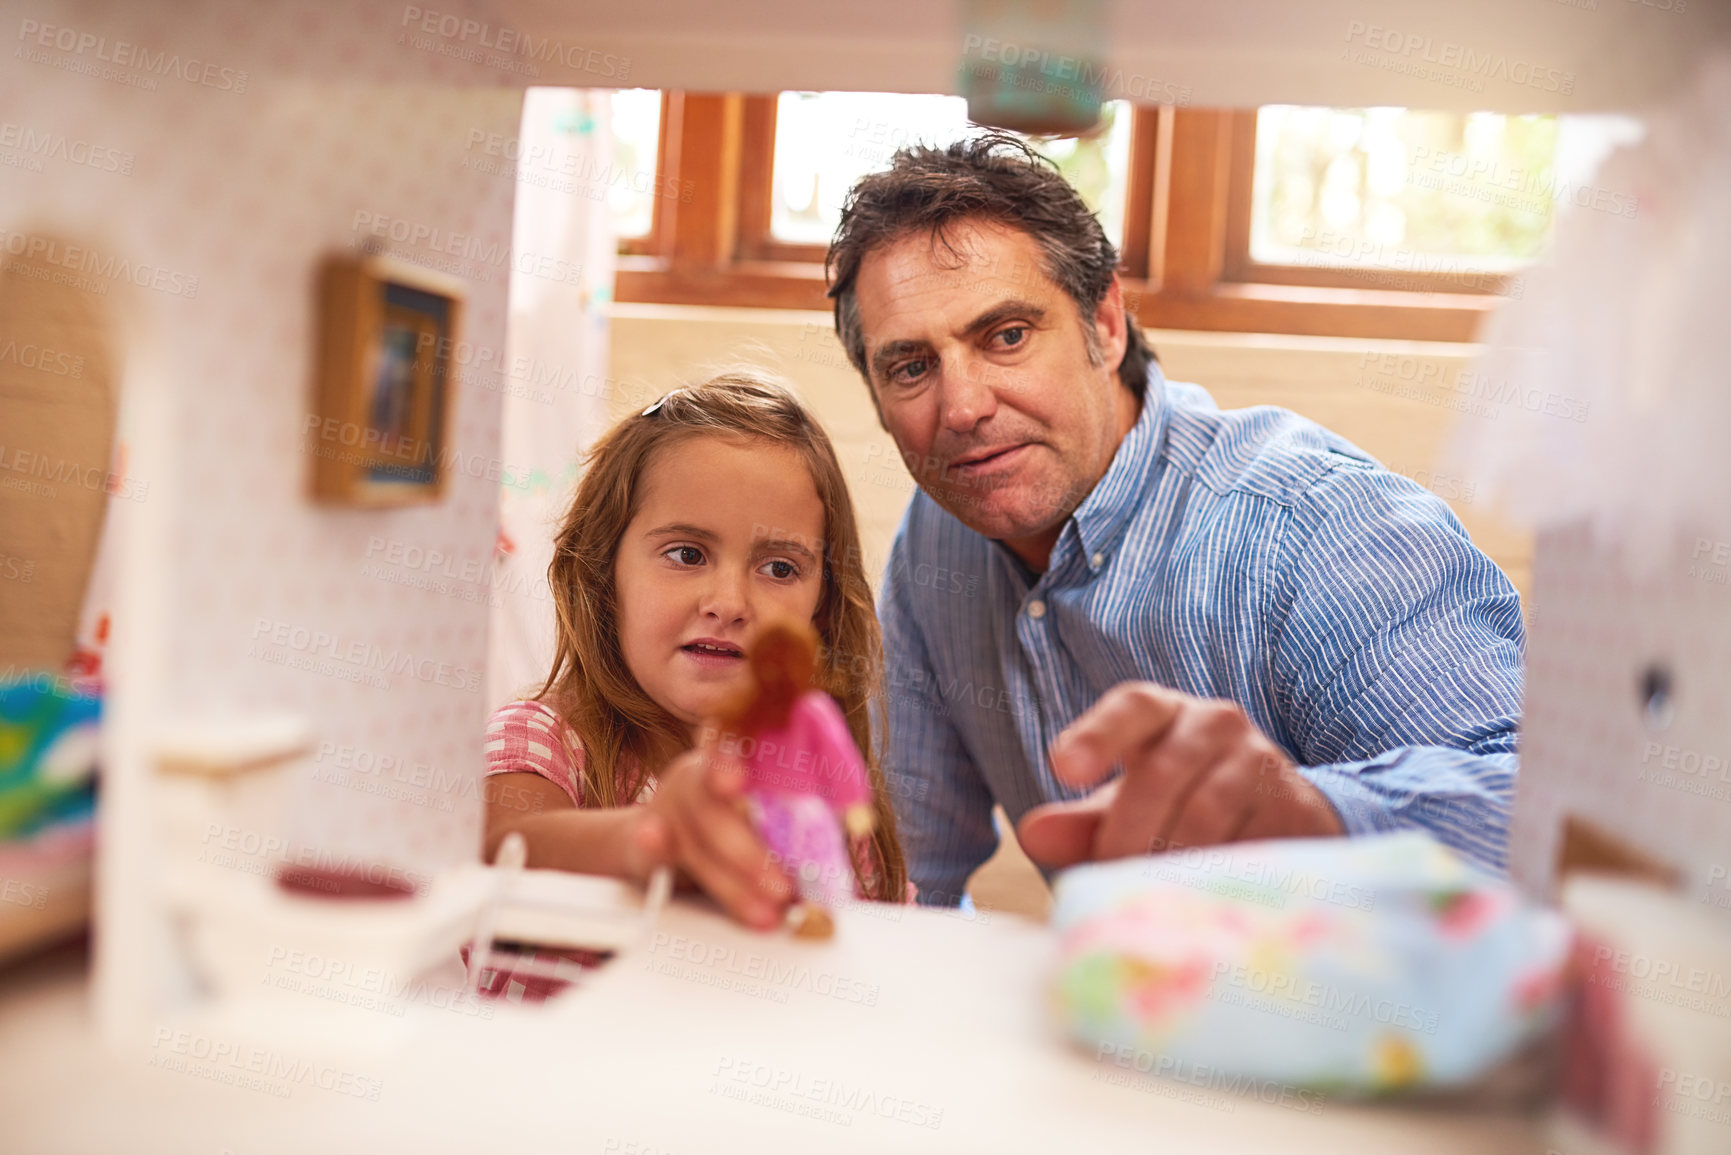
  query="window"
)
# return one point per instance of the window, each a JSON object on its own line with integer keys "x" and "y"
{"x": 1099, "y": 166}
{"x": 636, "y": 148}
{"x": 1376, "y": 222}
{"x": 825, "y": 141}
{"x": 1381, "y": 186}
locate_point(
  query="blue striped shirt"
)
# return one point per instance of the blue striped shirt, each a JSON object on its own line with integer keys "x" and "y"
{"x": 1246, "y": 554}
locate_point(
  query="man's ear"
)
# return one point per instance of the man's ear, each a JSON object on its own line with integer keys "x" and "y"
{"x": 1110, "y": 324}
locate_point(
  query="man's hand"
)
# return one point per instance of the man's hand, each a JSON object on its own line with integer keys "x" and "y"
{"x": 697, "y": 820}
{"x": 1196, "y": 772}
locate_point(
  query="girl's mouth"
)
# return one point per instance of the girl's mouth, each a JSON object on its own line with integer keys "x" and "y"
{"x": 713, "y": 653}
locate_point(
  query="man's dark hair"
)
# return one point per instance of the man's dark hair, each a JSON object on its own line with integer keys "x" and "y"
{"x": 991, "y": 176}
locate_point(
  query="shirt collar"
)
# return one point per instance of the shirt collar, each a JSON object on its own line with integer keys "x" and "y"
{"x": 1118, "y": 495}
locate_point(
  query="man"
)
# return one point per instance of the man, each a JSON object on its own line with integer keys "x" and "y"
{"x": 1268, "y": 632}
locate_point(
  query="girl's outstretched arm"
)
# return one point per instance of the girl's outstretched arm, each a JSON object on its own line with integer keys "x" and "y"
{"x": 615, "y": 841}
{"x": 694, "y": 821}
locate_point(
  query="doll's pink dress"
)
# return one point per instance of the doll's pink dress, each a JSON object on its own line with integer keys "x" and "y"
{"x": 801, "y": 780}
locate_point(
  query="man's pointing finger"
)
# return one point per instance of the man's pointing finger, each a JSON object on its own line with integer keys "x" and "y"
{"x": 1127, "y": 718}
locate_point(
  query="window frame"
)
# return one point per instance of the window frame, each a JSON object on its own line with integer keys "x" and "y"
{"x": 1185, "y": 260}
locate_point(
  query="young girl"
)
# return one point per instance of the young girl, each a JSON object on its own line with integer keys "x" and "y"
{"x": 717, "y": 510}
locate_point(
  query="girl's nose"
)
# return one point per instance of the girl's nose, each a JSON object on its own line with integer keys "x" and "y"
{"x": 725, "y": 598}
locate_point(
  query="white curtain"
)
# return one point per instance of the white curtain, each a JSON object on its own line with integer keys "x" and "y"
{"x": 555, "y": 402}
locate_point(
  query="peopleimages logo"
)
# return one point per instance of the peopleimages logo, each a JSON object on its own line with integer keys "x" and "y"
{"x": 34, "y": 34}
{"x": 1066, "y": 71}
{"x": 1209, "y": 866}
{"x": 1527, "y": 189}
{"x": 1397, "y": 267}
{"x": 63, "y": 471}
{"x": 1282, "y": 988}
{"x": 1421, "y": 55}
{"x": 473, "y": 39}
{"x": 430, "y": 238}
{"x": 59, "y": 146}
{"x": 41, "y": 358}
{"x": 253, "y": 1067}
{"x": 758, "y": 974}
{"x": 560, "y": 161}
{"x": 828, "y": 1099}
{"x": 1195, "y": 1074}
{"x": 20, "y": 893}
{"x": 85, "y": 260}
{"x": 363, "y": 656}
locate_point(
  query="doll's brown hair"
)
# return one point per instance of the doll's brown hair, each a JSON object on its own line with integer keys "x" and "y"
{"x": 591, "y": 687}
{"x": 783, "y": 666}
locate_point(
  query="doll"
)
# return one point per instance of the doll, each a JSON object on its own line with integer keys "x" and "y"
{"x": 805, "y": 780}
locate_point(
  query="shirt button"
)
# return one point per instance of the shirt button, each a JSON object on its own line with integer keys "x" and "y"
{"x": 1036, "y": 609}
{"x": 1097, "y": 560}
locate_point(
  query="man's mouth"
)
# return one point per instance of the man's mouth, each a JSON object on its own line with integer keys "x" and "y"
{"x": 983, "y": 459}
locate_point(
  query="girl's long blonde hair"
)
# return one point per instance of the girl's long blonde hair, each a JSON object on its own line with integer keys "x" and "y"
{"x": 622, "y": 728}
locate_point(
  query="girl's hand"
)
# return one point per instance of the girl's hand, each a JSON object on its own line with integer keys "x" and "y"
{"x": 696, "y": 820}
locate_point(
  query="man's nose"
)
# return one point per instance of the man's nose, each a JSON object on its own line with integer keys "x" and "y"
{"x": 968, "y": 395}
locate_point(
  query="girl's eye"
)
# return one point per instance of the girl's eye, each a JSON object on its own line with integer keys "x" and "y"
{"x": 685, "y": 555}
{"x": 781, "y": 569}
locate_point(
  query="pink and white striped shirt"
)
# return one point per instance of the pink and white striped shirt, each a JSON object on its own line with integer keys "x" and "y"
{"x": 529, "y": 737}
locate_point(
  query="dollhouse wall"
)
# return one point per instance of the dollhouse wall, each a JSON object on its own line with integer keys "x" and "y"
{"x": 236, "y": 146}
{"x": 1598, "y": 744}
{"x": 246, "y": 192}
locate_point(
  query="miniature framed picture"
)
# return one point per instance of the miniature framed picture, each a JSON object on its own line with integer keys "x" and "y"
{"x": 379, "y": 430}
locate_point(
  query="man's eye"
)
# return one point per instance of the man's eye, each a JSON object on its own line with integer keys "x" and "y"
{"x": 781, "y": 569}
{"x": 685, "y": 555}
{"x": 908, "y": 371}
{"x": 1012, "y": 337}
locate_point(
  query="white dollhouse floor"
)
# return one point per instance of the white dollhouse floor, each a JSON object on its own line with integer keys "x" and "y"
{"x": 912, "y": 1030}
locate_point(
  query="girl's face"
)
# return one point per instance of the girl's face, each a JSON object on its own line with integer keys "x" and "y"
{"x": 728, "y": 537}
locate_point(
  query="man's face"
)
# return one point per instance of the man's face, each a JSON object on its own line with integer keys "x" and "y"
{"x": 981, "y": 373}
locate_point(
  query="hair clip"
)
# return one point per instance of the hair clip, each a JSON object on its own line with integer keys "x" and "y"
{"x": 659, "y": 402}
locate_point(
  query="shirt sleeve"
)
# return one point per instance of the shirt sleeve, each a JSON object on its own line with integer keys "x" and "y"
{"x": 943, "y": 807}
{"x": 1398, "y": 662}
{"x": 526, "y": 737}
